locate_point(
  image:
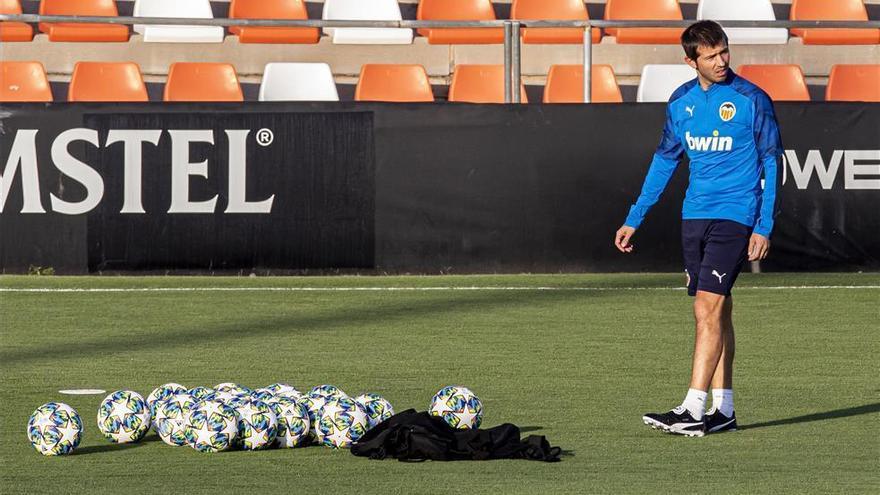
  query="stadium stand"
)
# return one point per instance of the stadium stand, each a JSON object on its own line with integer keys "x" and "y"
{"x": 658, "y": 81}
{"x": 298, "y": 82}
{"x": 667, "y": 10}
{"x": 480, "y": 84}
{"x": 565, "y": 84}
{"x": 14, "y": 31}
{"x": 783, "y": 82}
{"x": 839, "y": 10}
{"x": 193, "y": 81}
{"x": 744, "y": 10}
{"x": 459, "y": 10}
{"x": 24, "y": 82}
{"x": 552, "y": 10}
{"x": 394, "y": 83}
{"x": 82, "y": 32}
{"x": 271, "y": 9}
{"x": 854, "y": 83}
{"x": 191, "y": 9}
{"x": 107, "y": 81}
{"x": 366, "y": 10}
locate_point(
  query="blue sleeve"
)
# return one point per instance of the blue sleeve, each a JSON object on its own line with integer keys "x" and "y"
{"x": 769, "y": 145}
{"x": 665, "y": 161}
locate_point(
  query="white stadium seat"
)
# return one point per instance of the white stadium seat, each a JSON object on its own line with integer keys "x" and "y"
{"x": 298, "y": 82}
{"x": 744, "y": 10}
{"x": 186, "y": 9}
{"x": 366, "y": 10}
{"x": 659, "y": 81}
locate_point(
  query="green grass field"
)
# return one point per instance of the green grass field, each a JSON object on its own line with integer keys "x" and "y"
{"x": 579, "y": 366}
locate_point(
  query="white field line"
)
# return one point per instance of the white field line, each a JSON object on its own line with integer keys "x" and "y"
{"x": 409, "y": 289}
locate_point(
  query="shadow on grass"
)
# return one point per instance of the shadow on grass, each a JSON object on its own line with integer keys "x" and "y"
{"x": 100, "y": 449}
{"x": 835, "y": 414}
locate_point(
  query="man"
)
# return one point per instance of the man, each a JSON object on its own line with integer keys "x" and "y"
{"x": 728, "y": 129}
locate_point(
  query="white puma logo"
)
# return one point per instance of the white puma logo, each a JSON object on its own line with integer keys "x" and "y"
{"x": 719, "y": 275}
{"x": 689, "y": 110}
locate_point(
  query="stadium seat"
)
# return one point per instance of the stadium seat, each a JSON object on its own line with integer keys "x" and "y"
{"x": 106, "y": 81}
{"x": 854, "y": 83}
{"x": 14, "y": 31}
{"x": 189, "y": 9}
{"x": 661, "y": 10}
{"x": 839, "y": 10}
{"x": 298, "y": 82}
{"x": 744, "y": 10}
{"x": 659, "y": 81}
{"x": 781, "y": 82}
{"x": 565, "y": 84}
{"x": 480, "y": 84}
{"x": 82, "y": 32}
{"x": 271, "y": 9}
{"x": 24, "y": 82}
{"x": 459, "y": 10}
{"x": 365, "y": 10}
{"x": 192, "y": 81}
{"x": 553, "y": 10}
{"x": 398, "y": 83}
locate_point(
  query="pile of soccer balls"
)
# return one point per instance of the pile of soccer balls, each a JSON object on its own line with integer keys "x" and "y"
{"x": 231, "y": 416}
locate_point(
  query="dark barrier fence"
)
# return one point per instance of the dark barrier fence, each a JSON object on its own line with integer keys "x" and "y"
{"x": 397, "y": 188}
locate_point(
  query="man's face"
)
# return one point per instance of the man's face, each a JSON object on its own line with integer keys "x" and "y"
{"x": 712, "y": 63}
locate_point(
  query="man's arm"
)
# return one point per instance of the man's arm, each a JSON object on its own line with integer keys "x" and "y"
{"x": 769, "y": 145}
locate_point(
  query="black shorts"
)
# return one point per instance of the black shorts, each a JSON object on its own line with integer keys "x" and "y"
{"x": 714, "y": 253}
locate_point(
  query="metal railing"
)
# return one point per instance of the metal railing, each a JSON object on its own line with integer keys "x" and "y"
{"x": 512, "y": 29}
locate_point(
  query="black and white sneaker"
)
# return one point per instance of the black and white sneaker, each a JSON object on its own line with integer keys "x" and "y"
{"x": 678, "y": 421}
{"x": 716, "y": 422}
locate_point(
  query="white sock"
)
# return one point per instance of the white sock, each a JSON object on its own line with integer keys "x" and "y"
{"x": 722, "y": 400}
{"x": 695, "y": 402}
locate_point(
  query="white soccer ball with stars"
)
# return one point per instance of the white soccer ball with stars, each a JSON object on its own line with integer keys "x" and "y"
{"x": 161, "y": 393}
{"x": 55, "y": 429}
{"x": 211, "y": 426}
{"x": 327, "y": 391}
{"x": 293, "y": 421}
{"x": 257, "y": 425}
{"x": 124, "y": 416}
{"x": 377, "y": 407}
{"x": 313, "y": 404}
{"x": 170, "y": 419}
{"x": 342, "y": 422}
{"x": 458, "y": 406}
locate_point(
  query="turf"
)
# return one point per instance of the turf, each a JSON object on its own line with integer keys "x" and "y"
{"x": 579, "y": 366}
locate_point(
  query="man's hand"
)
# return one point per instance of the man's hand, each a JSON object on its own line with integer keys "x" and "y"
{"x": 622, "y": 237}
{"x": 759, "y": 247}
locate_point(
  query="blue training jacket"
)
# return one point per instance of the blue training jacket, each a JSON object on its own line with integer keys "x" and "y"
{"x": 730, "y": 135}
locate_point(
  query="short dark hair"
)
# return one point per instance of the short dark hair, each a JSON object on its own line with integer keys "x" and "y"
{"x": 703, "y": 33}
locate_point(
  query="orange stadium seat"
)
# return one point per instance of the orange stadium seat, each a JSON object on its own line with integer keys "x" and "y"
{"x": 480, "y": 84}
{"x": 854, "y": 83}
{"x": 106, "y": 81}
{"x": 782, "y": 82}
{"x": 14, "y": 31}
{"x": 82, "y": 32}
{"x": 569, "y": 10}
{"x": 838, "y": 10}
{"x": 194, "y": 81}
{"x": 565, "y": 84}
{"x": 459, "y": 10}
{"x": 24, "y": 81}
{"x": 271, "y": 9}
{"x": 661, "y": 10}
{"x": 398, "y": 83}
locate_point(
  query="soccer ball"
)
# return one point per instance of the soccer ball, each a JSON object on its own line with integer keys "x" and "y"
{"x": 257, "y": 425}
{"x": 161, "y": 393}
{"x": 171, "y": 416}
{"x": 343, "y": 422}
{"x": 313, "y": 404}
{"x": 124, "y": 416}
{"x": 458, "y": 406}
{"x": 234, "y": 388}
{"x": 55, "y": 429}
{"x": 201, "y": 393}
{"x": 263, "y": 394}
{"x": 277, "y": 388}
{"x": 377, "y": 407}
{"x": 293, "y": 421}
{"x": 211, "y": 427}
{"x": 327, "y": 391}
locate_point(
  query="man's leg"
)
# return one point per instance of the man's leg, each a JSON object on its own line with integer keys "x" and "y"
{"x": 709, "y": 342}
{"x": 723, "y": 377}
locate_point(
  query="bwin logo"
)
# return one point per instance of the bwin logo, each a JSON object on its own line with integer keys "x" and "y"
{"x": 709, "y": 143}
